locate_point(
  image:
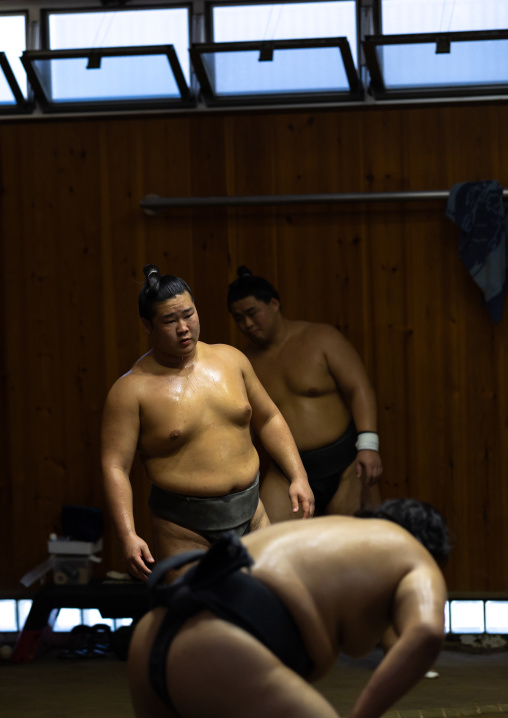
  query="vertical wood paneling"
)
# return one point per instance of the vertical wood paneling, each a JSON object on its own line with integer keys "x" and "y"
{"x": 166, "y": 171}
{"x": 389, "y": 292}
{"x": 10, "y": 253}
{"x": 74, "y": 242}
{"x": 252, "y": 231}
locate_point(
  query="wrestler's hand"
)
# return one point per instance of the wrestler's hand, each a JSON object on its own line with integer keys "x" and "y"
{"x": 368, "y": 466}
{"x": 135, "y": 554}
{"x": 301, "y": 493}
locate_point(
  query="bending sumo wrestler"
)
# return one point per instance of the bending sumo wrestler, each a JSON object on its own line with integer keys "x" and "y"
{"x": 187, "y": 408}
{"x": 318, "y": 381}
{"x": 248, "y": 628}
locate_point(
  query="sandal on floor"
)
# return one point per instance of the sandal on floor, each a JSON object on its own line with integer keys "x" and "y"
{"x": 78, "y": 643}
{"x": 100, "y": 640}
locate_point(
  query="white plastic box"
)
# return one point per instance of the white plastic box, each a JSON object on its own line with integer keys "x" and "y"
{"x": 62, "y": 545}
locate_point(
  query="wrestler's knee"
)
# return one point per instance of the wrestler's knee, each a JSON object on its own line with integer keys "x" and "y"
{"x": 348, "y": 497}
{"x": 371, "y": 497}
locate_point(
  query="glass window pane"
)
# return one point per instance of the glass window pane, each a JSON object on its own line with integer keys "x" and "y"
{"x": 303, "y": 70}
{"x": 468, "y": 63}
{"x": 467, "y": 617}
{"x": 286, "y": 21}
{"x": 415, "y": 16}
{"x": 118, "y": 78}
{"x": 24, "y": 606}
{"x": 496, "y": 616}
{"x": 128, "y": 28}
{"x": 119, "y": 622}
{"x": 13, "y": 43}
{"x": 67, "y": 619}
{"x": 8, "y": 620}
{"x": 6, "y": 95}
{"x": 92, "y": 616}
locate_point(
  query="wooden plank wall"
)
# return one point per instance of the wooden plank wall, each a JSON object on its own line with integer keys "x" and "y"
{"x": 74, "y": 241}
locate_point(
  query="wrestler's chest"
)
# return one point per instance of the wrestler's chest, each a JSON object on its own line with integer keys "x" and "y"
{"x": 194, "y": 402}
{"x": 297, "y": 373}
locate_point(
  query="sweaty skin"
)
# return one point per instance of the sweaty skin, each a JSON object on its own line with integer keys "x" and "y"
{"x": 186, "y": 407}
{"x": 344, "y": 582}
{"x": 318, "y": 381}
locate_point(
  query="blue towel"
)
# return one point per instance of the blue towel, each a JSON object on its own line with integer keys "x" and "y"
{"x": 477, "y": 208}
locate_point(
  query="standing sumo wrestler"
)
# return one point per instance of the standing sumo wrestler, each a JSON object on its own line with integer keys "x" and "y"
{"x": 319, "y": 383}
{"x": 187, "y": 408}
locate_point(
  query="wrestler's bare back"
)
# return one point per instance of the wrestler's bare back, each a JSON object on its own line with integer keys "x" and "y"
{"x": 341, "y": 593}
{"x": 297, "y": 377}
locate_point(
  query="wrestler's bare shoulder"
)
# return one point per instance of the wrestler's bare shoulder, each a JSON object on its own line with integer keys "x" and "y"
{"x": 317, "y": 332}
{"x": 132, "y": 384}
{"x": 147, "y": 368}
{"x": 226, "y": 352}
{"x": 144, "y": 365}
{"x": 386, "y": 540}
{"x": 295, "y": 330}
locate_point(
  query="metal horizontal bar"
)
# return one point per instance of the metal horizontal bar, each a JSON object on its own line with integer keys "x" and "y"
{"x": 154, "y": 203}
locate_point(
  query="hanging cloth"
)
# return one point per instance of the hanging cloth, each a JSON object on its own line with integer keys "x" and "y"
{"x": 477, "y": 208}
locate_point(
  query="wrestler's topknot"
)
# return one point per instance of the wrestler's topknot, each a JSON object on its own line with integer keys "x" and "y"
{"x": 158, "y": 288}
{"x": 249, "y": 285}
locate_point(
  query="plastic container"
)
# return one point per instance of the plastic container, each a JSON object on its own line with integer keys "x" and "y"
{"x": 71, "y": 570}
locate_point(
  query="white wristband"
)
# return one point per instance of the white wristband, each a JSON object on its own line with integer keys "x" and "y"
{"x": 367, "y": 440}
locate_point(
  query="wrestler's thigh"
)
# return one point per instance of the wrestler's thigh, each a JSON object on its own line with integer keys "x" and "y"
{"x": 352, "y": 494}
{"x": 260, "y": 518}
{"x": 170, "y": 539}
{"x": 274, "y": 493}
{"x": 146, "y": 703}
{"x": 242, "y": 679}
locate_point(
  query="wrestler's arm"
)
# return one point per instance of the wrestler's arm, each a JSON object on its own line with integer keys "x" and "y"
{"x": 276, "y": 437}
{"x": 350, "y": 375}
{"x": 418, "y": 618}
{"x": 119, "y": 438}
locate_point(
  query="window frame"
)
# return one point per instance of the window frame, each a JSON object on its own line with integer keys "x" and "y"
{"x": 355, "y": 93}
{"x": 22, "y": 105}
{"x": 377, "y": 84}
{"x": 69, "y": 10}
{"x": 138, "y": 6}
{"x": 378, "y": 23}
{"x": 200, "y": 25}
{"x": 186, "y": 100}
{"x": 210, "y": 5}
